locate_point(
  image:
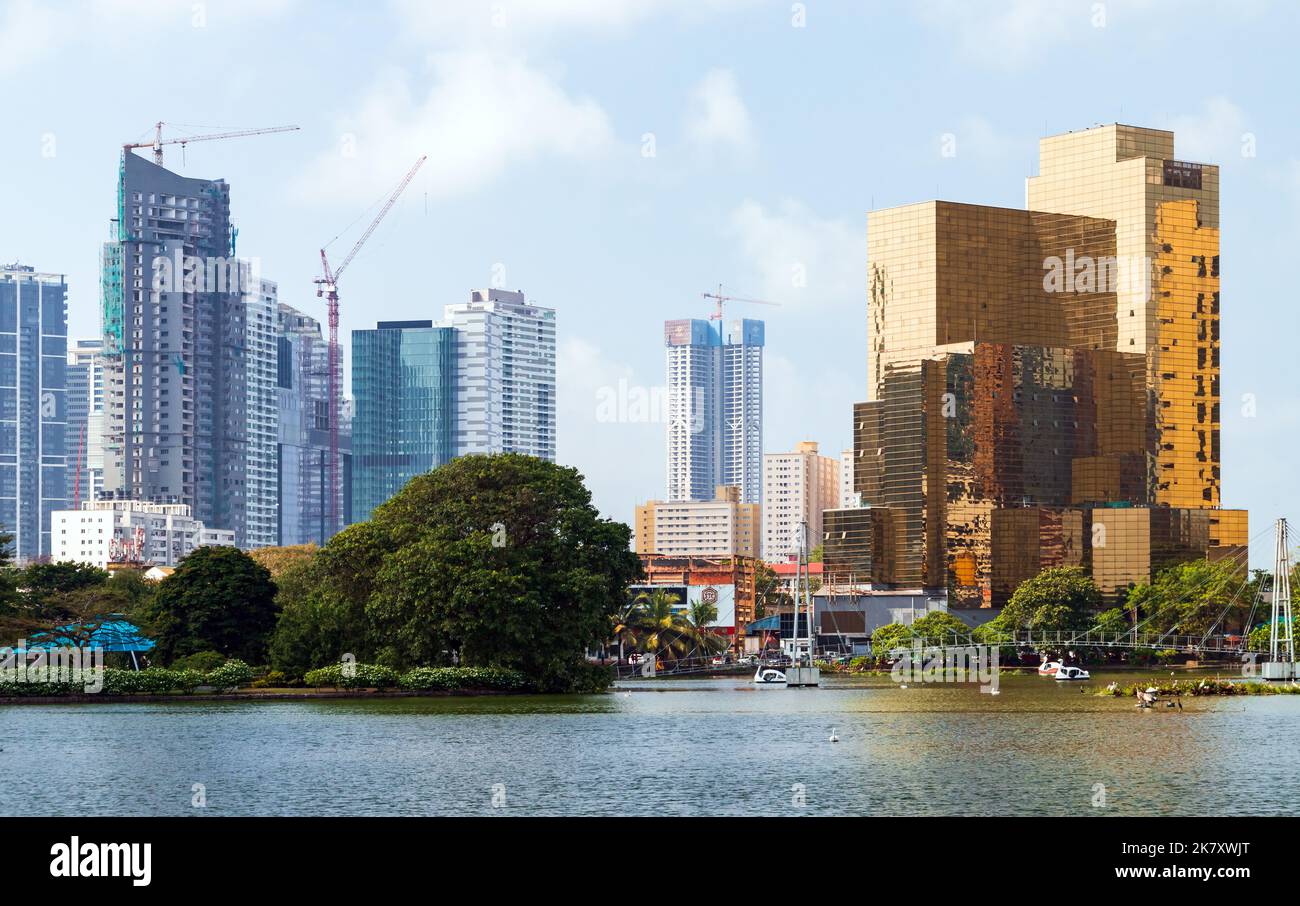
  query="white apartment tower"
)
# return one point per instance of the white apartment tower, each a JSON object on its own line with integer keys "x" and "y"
{"x": 715, "y": 407}
{"x": 797, "y": 487}
{"x": 262, "y": 409}
{"x": 505, "y": 374}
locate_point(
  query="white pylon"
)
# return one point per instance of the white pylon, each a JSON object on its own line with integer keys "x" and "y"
{"x": 1283, "y": 639}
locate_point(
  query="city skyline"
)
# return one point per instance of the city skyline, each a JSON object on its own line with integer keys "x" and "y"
{"x": 719, "y": 173}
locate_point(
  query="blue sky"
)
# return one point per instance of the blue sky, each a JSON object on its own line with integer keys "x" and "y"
{"x": 616, "y": 159}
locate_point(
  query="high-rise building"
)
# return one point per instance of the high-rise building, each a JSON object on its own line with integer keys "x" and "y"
{"x": 33, "y": 407}
{"x": 129, "y": 531}
{"x": 715, "y": 407}
{"x": 797, "y": 487}
{"x": 85, "y": 434}
{"x": 1166, "y": 217}
{"x": 403, "y": 386}
{"x": 722, "y": 527}
{"x": 175, "y": 308}
{"x": 1035, "y": 371}
{"x": 480, "y": 381}
{"x": 302, "y": 383}
{"x": 261, "y": 411}
{"x": 505, "y": 374}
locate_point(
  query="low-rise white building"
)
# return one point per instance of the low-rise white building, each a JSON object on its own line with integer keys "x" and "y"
{"x": 129, "y": 531}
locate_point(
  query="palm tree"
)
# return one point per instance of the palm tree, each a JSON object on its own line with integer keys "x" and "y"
{"x": 656, "y": 627}
{"x": 702, "y": 614}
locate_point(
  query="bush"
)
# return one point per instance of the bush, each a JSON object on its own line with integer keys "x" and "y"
{"x": 275, "y": 679}
{"x": 154, "y": 681}
{"x": 203, "y": 661}
{"x": 352, "y": 676}
{"x": 449, "y": 678}
{"x": 231, "y": 674}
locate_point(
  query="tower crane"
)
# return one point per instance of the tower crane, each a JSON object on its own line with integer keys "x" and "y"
{"x": 159, "y": 141}
{"x": 328, "y": 285}
{"x": 719, "y": 298}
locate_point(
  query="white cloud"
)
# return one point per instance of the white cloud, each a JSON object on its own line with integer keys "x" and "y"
{"x": 1214, "y": 134}
{"x": 717, "y": 117}
{"x": 31, "y": 31}
{"x": 799, "y": 259}
{"x": 481, "y": 114}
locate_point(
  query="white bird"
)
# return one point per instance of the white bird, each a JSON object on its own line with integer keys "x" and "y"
{"x": 834, "y": 738}
{"x": 902, "y": 685}
{"x": 995, "y": 692}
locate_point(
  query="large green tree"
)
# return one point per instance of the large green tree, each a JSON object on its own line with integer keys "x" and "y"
{"x": 489, "y": 560}
{"x": 1058, "y": 599}
{"x": 219, "y": 599}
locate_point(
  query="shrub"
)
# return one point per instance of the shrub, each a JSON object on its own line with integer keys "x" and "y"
{"x": 352, "y": 676}
{"x": 231, "y": 674}
{"x": 449, "y": 678}
{"x": 275, "y": 679}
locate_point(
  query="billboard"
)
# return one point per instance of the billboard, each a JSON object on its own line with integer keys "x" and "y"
{"x": 723, "y": 597}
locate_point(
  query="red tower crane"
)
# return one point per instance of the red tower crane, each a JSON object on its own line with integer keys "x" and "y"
{"x": 719, "y": 298}
{"x": 328, "y": 285}
{"x": 159, "y": 141}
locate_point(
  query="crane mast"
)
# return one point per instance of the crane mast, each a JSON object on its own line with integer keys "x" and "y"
{"x": 327, "y": 285}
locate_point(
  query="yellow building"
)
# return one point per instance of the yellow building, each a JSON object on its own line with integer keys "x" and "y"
{"x": 721, "y": 527}
{"x": 1032, "y": 369}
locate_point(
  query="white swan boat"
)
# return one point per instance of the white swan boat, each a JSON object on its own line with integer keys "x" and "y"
{"x": 1049, "y": 668}
{"x": 768, "y": 675}
{"x": 1071, "y": 674}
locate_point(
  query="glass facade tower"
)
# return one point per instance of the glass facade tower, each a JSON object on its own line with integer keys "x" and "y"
{"x": 715, "y": 407}
{"x": 1044, "y": 383}
{"x": 404, "y": 417}
{"x": 304, "y": 438}
{"x": 33, "y": 406}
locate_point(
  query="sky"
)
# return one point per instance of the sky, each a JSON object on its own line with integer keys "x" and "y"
{"x": 614, "y": 159}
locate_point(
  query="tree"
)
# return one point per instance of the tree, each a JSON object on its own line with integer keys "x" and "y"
{"x": 41, "y": 581}
{"x": 702, "y": 613}
{"x": 885, "y": 639}
{"x": 1113, "y": 620}
{"x": 277, "y": 560}
{"x": 1058, "y": 599}
{"x": 317, "y": 624}
{"x": 219, "y": 599}
{"x": 1190, "y": 598}
{"x": 496, "y": 560}
{"x": 941, "y": 627}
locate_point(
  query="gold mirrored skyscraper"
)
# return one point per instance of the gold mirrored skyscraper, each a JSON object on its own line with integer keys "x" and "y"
{"x": 1034, "y": 372}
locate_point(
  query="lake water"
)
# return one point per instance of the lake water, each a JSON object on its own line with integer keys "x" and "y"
{"x": 717, "y": 746}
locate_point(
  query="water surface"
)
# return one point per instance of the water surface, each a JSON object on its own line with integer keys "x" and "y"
{"x": 718, "y": 746}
